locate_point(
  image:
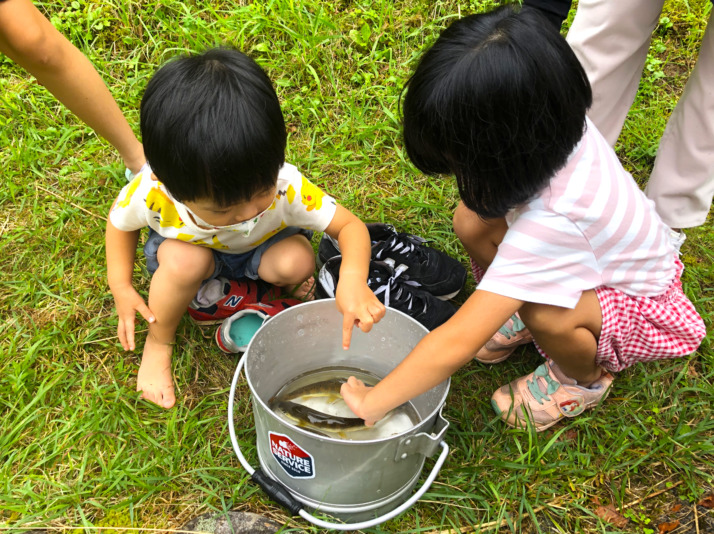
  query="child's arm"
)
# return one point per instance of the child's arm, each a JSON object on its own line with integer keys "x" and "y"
{"x": 354, "y": 298}
{"x": 437, "y": 356}
{"x": 121, "y": 250}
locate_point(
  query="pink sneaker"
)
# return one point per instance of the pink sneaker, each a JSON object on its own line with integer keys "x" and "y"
{"x": 545, "y": 396}
{"x": 511, "y": 335}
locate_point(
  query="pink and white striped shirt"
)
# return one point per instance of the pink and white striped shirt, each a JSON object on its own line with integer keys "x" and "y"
{"x": 591, "y": 226}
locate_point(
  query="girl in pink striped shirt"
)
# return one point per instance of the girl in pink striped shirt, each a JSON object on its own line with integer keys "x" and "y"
{"x": 566, "y": 250}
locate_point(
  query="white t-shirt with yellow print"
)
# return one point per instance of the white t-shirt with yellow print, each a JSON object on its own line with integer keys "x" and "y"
{"x": 298, "y": 202}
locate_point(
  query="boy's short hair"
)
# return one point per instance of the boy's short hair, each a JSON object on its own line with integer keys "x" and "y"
{"x": 499, "y": 101}
{"x": 212, "y": 127}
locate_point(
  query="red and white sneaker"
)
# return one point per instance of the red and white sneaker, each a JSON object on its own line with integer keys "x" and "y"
{"x": 235, "y": 333}
{"x": 546, "y": 396}
{"x": 220, "y": 298}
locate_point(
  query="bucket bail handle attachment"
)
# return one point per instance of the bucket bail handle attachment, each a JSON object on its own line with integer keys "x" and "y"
{"x": 423, "y": 443}
{"x": 277, "y": 492}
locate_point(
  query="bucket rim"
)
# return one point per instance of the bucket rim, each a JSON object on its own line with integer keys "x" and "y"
{"x": 432, "y": 415}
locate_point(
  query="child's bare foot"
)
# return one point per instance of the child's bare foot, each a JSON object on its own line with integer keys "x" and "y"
{"x": 154, "y": 379}
{"x": 305, "y": 291}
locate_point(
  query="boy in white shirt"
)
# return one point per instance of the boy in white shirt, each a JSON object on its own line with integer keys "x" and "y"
{"x": 221, "y": 201}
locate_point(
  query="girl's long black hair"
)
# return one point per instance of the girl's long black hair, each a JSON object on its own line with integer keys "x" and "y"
{"x": 499, "y": 101}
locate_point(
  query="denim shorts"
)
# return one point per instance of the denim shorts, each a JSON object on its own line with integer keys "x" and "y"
{"x": 231, "y": 266}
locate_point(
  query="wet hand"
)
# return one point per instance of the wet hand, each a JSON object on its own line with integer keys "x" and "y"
{"x": 128, "y": 304}
{"x": 354, "y": 393}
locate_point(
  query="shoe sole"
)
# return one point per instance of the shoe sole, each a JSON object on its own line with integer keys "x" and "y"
{"x": 207, "y": 323}
{"x": 219, "y": 342}
{"x": 449, "y": 296}
{"x": 504, "y": 357}
{"x": 524, "y": 424}
{"x": 497, "y": 360}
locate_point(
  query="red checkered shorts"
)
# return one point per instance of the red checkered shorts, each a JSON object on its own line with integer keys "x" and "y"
{"x": 643, "y": 329}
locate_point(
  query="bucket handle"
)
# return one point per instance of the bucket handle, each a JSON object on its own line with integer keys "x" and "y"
{"x": 281, "y": 495}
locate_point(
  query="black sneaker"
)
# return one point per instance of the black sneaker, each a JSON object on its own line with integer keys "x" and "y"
{"x": 328, "y": 247}
{"x": 437, "y": 272}
{"x": 394, "y": 289}
{"x": 327, "y": 278}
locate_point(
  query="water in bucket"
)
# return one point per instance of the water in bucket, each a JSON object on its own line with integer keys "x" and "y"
{"x": 312, "y": 401}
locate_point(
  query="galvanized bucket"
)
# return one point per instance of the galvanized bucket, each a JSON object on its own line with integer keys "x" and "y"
{"x": 365, "y": 481}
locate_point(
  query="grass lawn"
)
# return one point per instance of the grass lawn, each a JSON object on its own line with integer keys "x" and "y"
{"x": 77, "y": 446}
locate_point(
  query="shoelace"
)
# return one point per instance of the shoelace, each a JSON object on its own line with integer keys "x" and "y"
{"x": 517, "y": 326}
{"x": 534, "y": 386}
{"x": 401, "y": 246}
{"x": 391, "y": 283}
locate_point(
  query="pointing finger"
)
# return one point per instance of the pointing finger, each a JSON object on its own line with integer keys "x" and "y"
{"x": 347, "y": 325}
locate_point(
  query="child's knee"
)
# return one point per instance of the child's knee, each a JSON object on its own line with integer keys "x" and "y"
{"x": 296, "y": 266}
{"x": 186, "y": 262}
{"x": 461, "y": 219}
{"x": 290, "y": 261}
{"x": 472, "y": 229}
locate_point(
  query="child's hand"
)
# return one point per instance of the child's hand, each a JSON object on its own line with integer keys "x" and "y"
{"x": 128, "y": 303}
{"x": 359, "y": 307}
{"x": 354, "y": 392}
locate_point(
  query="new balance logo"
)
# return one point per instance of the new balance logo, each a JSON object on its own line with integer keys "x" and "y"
{"x": 232, "y": 301}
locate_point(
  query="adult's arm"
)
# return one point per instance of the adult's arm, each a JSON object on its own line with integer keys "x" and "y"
{"x": 29, "y": 39}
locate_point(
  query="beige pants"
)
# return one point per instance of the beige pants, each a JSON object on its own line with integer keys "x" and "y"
{"x": 611, "y": 39}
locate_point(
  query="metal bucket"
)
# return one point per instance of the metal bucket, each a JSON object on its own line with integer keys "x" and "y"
{"x": 350, "y": 480}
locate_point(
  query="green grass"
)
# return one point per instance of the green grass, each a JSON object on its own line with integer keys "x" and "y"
{"x": 77, "y": 446}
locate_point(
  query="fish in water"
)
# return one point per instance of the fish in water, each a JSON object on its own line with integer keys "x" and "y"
{"x": 324, "y": 388}
{"x": 318, "y": 407}
{"x": 310, "y": 419}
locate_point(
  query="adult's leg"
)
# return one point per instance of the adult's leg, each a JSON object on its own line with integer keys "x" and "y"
{"x": 682, "y": 181}
{"x": 611, "y": 39}
{"x": 556, "y": 11}
{"x": 182, "y": 268}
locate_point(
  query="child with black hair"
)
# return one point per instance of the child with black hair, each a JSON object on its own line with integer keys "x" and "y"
{"x": 566, "y": 250}
{"x": 29, "y": 38}
{"x": 221, "y": 201}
